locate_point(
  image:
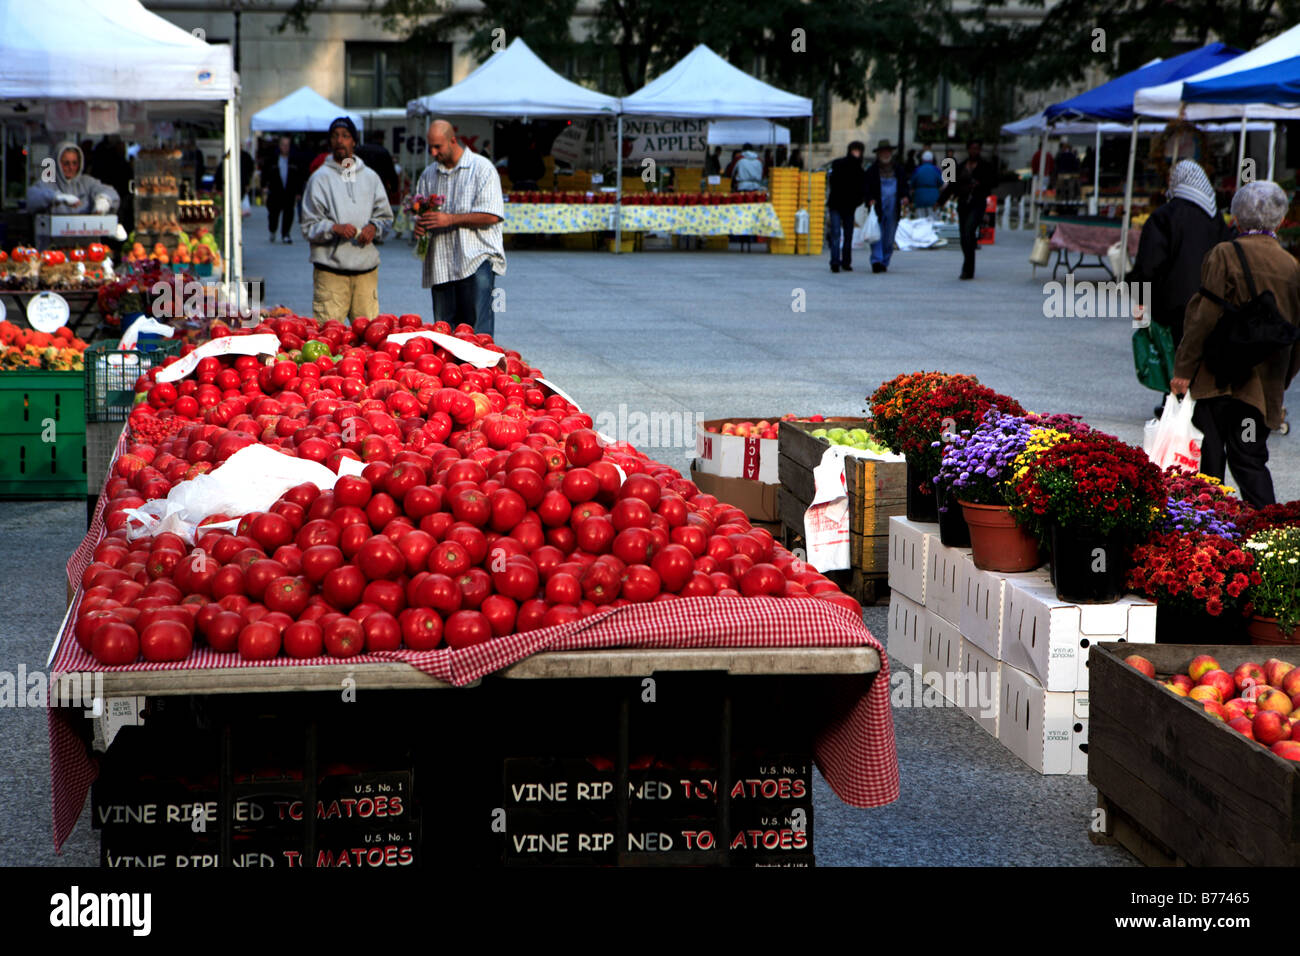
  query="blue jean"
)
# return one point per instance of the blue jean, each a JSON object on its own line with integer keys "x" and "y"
{"x": 883, "y": 250}
{"x": 467, "y": 300}
{"x": 841, "y": 241}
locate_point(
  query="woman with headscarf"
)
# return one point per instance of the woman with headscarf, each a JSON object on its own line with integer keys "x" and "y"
{"x": 1236, "y": 417}
{"x": 1175, "y": 239}
{"x": 71, "y": 190}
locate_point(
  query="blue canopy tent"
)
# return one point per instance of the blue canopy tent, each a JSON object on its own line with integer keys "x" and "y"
{"x": 1276, "y": 83}
{"x": 1113, "y": 100}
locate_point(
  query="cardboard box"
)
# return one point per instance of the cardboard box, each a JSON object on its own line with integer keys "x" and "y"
{"x": 1050, "y": 639}
{"x": 908, "y": 546}
{"x": 941, "y": 656}
{"x": 730, "y": 456}
{"x": 981, "y": 595}
{"x": 1048, "y": 731}
{"x": 756, "y": 498}
{"x": 906, "y": 636}
{"x": 983, "y": 682}
{"x": 943, "y": 578}
{"x": 85, "y": 227}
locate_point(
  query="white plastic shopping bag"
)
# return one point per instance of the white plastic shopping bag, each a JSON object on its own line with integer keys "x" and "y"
{"x": 871, "y": 228}
{"x": 1173, "y": 439}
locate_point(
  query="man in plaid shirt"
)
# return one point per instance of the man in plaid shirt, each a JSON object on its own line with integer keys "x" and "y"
{"x": 465, "y": 250}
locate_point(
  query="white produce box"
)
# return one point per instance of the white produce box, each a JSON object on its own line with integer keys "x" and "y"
{"x": 908, "y": 544}
{"x": 1050, "y": 639}
{"x": 1048, "y": 731}
{"x": 943, "y": 578}
{"x": 982, "y": 594}
{"x": 983, "y": 683}
{"x": 906, "y": 636}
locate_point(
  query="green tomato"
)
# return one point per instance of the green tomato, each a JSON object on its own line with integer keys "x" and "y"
{"x": 314, "y": 349}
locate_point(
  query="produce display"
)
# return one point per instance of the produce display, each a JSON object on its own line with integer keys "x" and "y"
{"x": 60, "y": 351}
{"x": 694, "y": 199}
{"x": 1259, "y": 701}
{"x": 858, "y": 438}
{"x": 485, "y": 506}
{"x": 759, "y": 429}
{"x": 202, "y": 249}
{"x": 636, "y": 199}
{"x": 25, "y": 269}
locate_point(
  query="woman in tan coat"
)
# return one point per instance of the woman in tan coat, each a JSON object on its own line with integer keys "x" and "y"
{"x": 1236, "y": 420}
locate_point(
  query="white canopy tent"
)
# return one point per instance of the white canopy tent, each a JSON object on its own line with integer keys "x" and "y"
{"x": 704, "y": 85}
{"x": 118, "y": 50}
{"x": 733, "y": 132}
{"x": 514, "y": 82}
{"x": 1167, "y": 99}
{"x": 302, "y": 111}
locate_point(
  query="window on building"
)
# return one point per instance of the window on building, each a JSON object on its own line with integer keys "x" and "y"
{"x": 589, "y": 66}
{"x": 386, "y": 75}
{"x": 932, "y": 106}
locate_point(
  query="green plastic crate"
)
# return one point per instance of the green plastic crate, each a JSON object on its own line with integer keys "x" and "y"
{"x": 111, "y": 374}
{"x": 31, "y": 467}
{"x": 31, "y": 400}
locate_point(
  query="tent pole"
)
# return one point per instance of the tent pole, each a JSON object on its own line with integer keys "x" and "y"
{"x": 618, "y": 206}
{"x": 1128, "y": 202}
{"x": 1096, "y": 172}
{"x": 225, "y": 216}
{"x": 4, "y": 165}
{"x": 1042, "y": 180}
{"x": 807, "y": 170}
{"x": 237, "y": 222}
{"x": 1241, "y": 149}
{"x": 1272, "y": 149}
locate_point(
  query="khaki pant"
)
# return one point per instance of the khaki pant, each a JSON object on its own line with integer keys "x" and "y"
{"x": 344, "y": 297}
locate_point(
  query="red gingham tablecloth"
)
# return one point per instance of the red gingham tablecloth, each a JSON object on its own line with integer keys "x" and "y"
{"x": 855, "y": 750}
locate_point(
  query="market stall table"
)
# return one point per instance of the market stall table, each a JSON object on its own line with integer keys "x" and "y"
{"x": 719, "y": 653}
{"x": 734, "y": 219}
{"x": 1088, "y": 236}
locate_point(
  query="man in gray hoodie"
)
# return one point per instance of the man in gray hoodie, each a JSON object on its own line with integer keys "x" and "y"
{"x": 748, "y": 174}
{"x": 344, "y": 209}
{"x": 68, "y": 190}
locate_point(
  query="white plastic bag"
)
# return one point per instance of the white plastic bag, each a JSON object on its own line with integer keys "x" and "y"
{"x": 860, "y": 215}
{"x": 871, "y": 229}
{"x": 1172, "y": 439}
{"x": 249, "y": 480}
{"x": 826, "y": 522}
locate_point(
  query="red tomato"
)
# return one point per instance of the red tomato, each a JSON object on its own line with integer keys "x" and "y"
{"x": 467, "y": 628}
{"x": 319, "y": 560}
{"x": 288, "y": 595}
{"x": 379, "y": 559}
{"x": 675, "y": 566}
{"x": 579, "y": 485}
{"x": 421, "y": 628}
{"x": 439, "y": 592}
{"x": 343, "y": 586}
{"x": 259, "y": 641}
{"x": 762, "y": 579}
{"x": 582, "y": 447}
{"x": 344, "y": 637}
{"x": 303, "y": 639}
{"x": 223, "y": 631}
{"x": 382, "y": 632}
{"x": 115, "y": 644}
{"x": 259, "y": 576}
{"x": 640, "y": 583}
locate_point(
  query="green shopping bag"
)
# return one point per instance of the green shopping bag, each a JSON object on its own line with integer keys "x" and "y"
{"x": 1153, "y": 356}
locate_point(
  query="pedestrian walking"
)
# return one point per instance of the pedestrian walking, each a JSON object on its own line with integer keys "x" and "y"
{"x": 848, "y": 191}
{"x": 975, "y": 180}
{"x": 887, "y": 193}
{"x": 1175, "y": 239}
{"x": 283, "y": 181}
{"x": 1237, "y": 417}
{"x": 344, "y": 209}
{"x": 466, "y": 253}
{"x": 925, "y": 183}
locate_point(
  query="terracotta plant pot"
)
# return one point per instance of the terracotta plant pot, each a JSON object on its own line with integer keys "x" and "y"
{"x": 1177, "y": 625}
{"x": 1264, "y": 630}
{"x": 997, "y": 542}
{"x": 920, "y": 505}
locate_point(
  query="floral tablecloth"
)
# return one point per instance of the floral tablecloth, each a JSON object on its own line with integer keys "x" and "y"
{"x": 738, "y": 219}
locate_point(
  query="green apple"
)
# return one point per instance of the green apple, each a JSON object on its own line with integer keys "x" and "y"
{"x": 818, "y": 433}
{"x": 836, "y": 434}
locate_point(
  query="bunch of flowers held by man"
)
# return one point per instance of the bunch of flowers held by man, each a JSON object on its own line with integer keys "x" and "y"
{"x": 1277, "y": 562}
{"x": 914, "y": 414}
{"x": 418, "y": 205}
{"x": 978, "y": 464}
{"x": 1195, "y": 572}
{"x": 1095, "y": 484}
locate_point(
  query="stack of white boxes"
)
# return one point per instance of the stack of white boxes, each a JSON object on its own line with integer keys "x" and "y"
{"x": 1002, "y": 646}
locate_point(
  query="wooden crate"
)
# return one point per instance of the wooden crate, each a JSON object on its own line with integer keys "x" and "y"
{"x": 1188, "y": 787}
{"x": 877, "y": 490}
